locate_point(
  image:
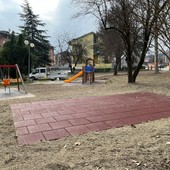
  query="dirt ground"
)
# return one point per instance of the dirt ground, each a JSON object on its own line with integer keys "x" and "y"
{"x": 146, "y": 147}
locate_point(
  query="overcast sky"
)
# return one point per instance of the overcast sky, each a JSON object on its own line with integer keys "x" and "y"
{"x": 55, "y": 13}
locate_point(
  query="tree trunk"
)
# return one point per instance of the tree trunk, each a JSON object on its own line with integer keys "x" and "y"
{"x": 142, "y": 58}
{"x": 70, "y": 66}
{"x": 115, "y": 70}
{"x": 119, "y": 63}
{"x": 75, "y": 64}
{"x": 130, "y": 70}
{"x": 130, "y": 75}
{"x": 129, "y": 63}
{"x": 156, "y": 49}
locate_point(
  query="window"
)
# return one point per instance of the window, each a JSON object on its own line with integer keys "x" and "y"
{"x": 36, "y": 71}
{"x": 42, "y": 70}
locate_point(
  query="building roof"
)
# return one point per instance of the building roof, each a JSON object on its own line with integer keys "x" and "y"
{"x": 4, "y": 32}
{"x": 81, "y": 36}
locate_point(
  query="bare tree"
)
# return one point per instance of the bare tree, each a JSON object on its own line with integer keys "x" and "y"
{"x": 133, "y": 19}
{"x": 63, "y": 53}
{"x": 71, "y": 51}
{"x": 164, "y": 33}
{"x": 112, "y": 47}
{"x": 78, "y": 51}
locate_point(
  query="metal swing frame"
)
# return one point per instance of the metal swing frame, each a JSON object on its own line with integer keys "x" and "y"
{"x": 18, "y": 74}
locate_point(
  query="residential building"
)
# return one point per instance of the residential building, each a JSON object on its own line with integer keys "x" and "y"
{"x": 87, "y": 45}
{"x": 4, "y": 36}
{"x": 52, "y": 56}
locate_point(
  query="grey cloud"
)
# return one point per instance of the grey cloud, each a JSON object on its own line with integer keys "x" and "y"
{"x": 9, "y": 18}
{"x": 62, "y": 20}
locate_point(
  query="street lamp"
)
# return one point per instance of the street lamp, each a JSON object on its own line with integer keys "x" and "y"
{"x": 30, "y": 45}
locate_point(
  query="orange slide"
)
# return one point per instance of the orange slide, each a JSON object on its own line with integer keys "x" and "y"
{"x": 74, "y": 77}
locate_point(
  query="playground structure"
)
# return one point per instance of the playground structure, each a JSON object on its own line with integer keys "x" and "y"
{"x": 6, "y": 81}
{"x": 74, "y": 77}
{"x": 87, "y": 73}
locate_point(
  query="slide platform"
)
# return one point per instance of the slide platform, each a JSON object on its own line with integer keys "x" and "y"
{"x": 74, "y": 77}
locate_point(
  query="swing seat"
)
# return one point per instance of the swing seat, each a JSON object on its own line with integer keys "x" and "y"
{"x": 6, "y": 83}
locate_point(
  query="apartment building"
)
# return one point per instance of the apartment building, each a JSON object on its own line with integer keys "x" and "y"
{"x": 52, "y": 56}
{"x": 4, "y": 36}
{"x": 90, "y": 43}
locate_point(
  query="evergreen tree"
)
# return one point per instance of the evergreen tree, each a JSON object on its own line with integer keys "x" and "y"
{"x": 32, "y": 32}
{"x": 7, "y": 56}
{"x": 15, "y": 52}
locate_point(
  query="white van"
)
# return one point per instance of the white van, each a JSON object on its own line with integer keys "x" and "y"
{"x": 51, "y": 73}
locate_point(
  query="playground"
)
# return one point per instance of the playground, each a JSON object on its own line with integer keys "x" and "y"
{"x": 14, "y": 91}
{"x": 133, "y": 146}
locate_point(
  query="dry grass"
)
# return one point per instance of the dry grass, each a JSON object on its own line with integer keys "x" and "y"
{"x": 144, "y": 147}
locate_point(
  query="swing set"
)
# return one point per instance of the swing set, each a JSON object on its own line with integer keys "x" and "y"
{"x": 5, "y": 78}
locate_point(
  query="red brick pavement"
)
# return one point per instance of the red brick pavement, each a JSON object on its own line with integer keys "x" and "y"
{"x": 54, "y": 119}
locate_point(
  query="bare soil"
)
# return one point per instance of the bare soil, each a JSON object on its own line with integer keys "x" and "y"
{"x": 146, "y": 147}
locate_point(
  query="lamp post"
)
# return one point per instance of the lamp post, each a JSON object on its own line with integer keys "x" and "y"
{"x": 30, "y": 45}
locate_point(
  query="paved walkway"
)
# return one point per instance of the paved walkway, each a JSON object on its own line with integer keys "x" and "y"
{"x": 50, "y": 120}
